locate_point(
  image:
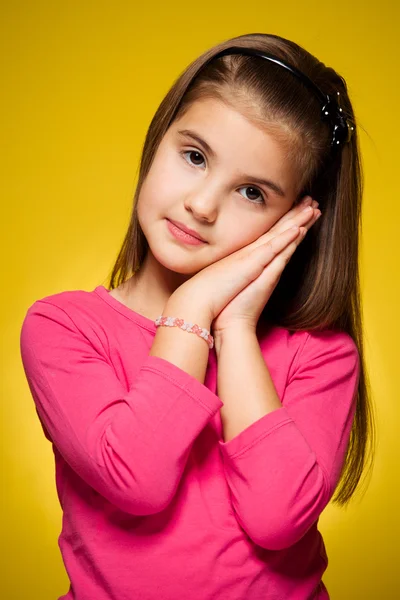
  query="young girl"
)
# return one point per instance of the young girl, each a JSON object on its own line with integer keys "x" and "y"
{"x": 195, "y": 452}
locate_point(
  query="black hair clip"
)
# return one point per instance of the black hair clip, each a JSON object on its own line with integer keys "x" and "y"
{"x": 342, "y": 128}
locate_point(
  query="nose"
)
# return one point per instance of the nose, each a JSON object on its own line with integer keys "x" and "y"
{"x": 203, "y": 204}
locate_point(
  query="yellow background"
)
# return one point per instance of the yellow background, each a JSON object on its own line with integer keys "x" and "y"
{"x": 81, "y": 82}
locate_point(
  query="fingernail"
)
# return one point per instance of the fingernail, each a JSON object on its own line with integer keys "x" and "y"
{"x": 306, "y": 201}
{"x": 318, "y": 216}
{"x": 315, "y": 204}
{"x": 307, "y": 209}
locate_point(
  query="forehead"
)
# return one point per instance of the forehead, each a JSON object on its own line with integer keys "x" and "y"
{"x": 215, "y": 114}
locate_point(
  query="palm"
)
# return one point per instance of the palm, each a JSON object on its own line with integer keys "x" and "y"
{"x": 247, "y": 306}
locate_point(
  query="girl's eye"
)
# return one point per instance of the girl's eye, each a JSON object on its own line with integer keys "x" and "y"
{"x": 197, "y": 154}
{"x": 254, "y": 192}
{"x": 199, "y": 158}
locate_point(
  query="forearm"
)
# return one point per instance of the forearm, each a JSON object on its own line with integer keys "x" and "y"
{"x": 244, "y": 383}
{"x": 186, "y": 350}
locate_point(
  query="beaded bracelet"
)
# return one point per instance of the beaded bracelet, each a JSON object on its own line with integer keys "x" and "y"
{"x": 189, "y": 327}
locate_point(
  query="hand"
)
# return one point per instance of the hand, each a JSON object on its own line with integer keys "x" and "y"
{"x": 245, "y": 309}
{"x": 257, "y": 266}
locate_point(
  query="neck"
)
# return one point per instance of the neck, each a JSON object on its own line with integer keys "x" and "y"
{"x": 149, "y": 289}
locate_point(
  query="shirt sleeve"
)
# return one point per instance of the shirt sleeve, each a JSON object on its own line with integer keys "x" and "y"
{"x": 131, "y": 446}
{"x": 283, "y": 469}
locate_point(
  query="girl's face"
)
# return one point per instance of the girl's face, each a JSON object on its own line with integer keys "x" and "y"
{"x": 206, "y": 174}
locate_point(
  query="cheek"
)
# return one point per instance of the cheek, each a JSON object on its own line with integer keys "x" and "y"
{"x": 164, "y": 184}
{"x": 244, "y": 232}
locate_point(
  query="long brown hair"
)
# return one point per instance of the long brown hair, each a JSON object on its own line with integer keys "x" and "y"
{"x": 319, "y": 288}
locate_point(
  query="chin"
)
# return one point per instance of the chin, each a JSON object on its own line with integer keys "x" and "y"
{"x": 183, "y": 266}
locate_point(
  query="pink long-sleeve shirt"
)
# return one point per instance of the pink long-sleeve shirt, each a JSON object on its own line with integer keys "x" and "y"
{"x": 156, "y": 506}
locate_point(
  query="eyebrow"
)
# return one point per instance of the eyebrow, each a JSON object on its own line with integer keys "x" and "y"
{"x": 266, "y": 182}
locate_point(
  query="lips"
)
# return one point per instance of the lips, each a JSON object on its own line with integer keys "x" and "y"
{"x": 183, "y": 227}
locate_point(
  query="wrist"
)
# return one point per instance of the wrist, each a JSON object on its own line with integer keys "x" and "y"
{"x": 185, "y": 307}
{"x": 233, "y": 334}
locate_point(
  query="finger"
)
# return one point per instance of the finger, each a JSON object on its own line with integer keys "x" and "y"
{"x": 273, "y": 247}
{"x": 305, "y": 216}
{"x": 302, "y": 217}
{"x": 271, "y": 274}
{"x": 278, "y": 229}
{"x": 308, "y": 224}
{"x": 317, "y": 215}
{"x": 279, "y": 262}
{"x": 297, "y": 209}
